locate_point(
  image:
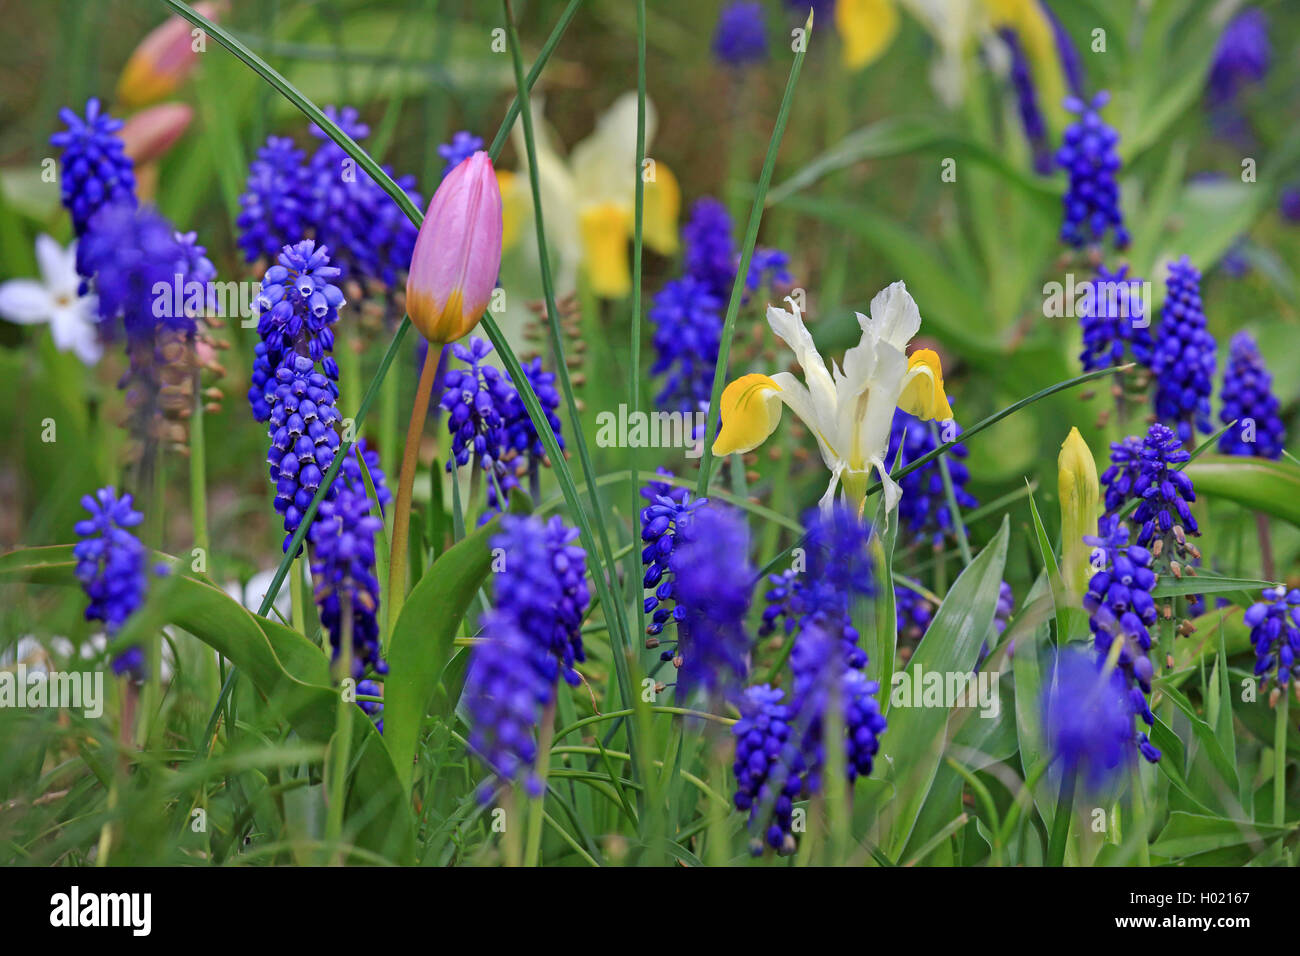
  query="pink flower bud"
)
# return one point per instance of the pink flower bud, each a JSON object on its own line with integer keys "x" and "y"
{"x": 457, "y": 253}
{"x": 149, "y": 133}
{"x": 163, "y": 60}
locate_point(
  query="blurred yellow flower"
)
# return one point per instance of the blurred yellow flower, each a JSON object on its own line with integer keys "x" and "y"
{"x": 1079, "y": 493}
{"x": 588, "y": 201}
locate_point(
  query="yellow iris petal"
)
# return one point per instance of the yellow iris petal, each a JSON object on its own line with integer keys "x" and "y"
{"x": 663, "y": 202}
{"x": 922, "y": 393}
{"x": 866, "y": 28}
{"x": 751, "y": 410}
{"x": 514, "y": 207}
{"x": 605, "y": 229}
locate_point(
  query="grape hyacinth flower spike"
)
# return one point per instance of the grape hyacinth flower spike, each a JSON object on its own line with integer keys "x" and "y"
{"x": 96, "y": 170}
{"x": 1274, "y": 626}
{"x": 1184, "y": 357}
{"x": 1087, "y": 720}
{"x": 1088, "y": 155}
{"x": 111, "y": 566}
{"x": 1247, "y": 399}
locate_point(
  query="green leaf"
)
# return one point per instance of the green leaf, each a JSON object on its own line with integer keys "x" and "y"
{"x": 287, "y": 669}
{"x": 1205, "y": 737}
{"x": 912, "y": 746}
{"x": 1208, "y": 584}
{"x": 422, "y": 640}
{"x": 1272, "y": 487}
{"x": 1190, "y": 834}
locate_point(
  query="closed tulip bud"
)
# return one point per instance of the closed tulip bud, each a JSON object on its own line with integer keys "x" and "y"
{"x": 148, "y": 134}
{"x": 457, "y": 253}
{"x": 164, "y": 59}
{"x": 1079, "y": 494}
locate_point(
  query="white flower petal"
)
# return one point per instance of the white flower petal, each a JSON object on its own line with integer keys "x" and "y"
{"x": 797, "y": 398}
{"x": 25, "y": 301}
{"x": 58, "y": 266}
{"x": 894, "y": 316}
{"x": 790, "y": 328}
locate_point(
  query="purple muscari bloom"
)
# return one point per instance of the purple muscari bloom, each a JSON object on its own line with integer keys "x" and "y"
{"x": 1242, "y": 56}
{"x": 1087, "y": 720}
{"x": 767, "y": 267}
{"x": 372, "y": 708}
{"x": 1275, "y": 633}
{"x": 1031, "y": 115}
{"x": 1071, "y": 63}
{"x": 1001, "y": 618}
{"x": 1247, "y": 398}
{"x": 126, "y": 252}
{"x": 521, "y": 434}
{"x": 298, "y": 305}
{"x": 111, "y": 568}
{"x": 343, "y": 568}
{"x": 96, "y": 170}
{"x": 767, "y": 785}
{"x": 507, "y": 687}
{"x": 303, "y": 437}
{"x": 544, "y": 588}
{"x": 1289, "y": 204}
{"x": 661, "y": 523}
{"x": 1089, "y": 157}
{"x": 1121, "y": 608}
{"x": 463, "y": 145}
{"x": 1166, "y": 493}
{"x": 740, "y": 37}
{"x": 481, "y": 402}
{"x": 712, "y": 582}
{"x": 687, "y": 320}
{"x": 710, "y": 251}
{"x": 1183, "y": 361}
{"x": 923, "y": 508}
{"x": 913, "y": 612}
{"x": 273, "y": 209}
{"x": 1112, "y": 317}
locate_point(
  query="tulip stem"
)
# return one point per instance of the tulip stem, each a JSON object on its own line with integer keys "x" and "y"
{"x": 398, "y": 554}
{"x": 1279, "y": 758}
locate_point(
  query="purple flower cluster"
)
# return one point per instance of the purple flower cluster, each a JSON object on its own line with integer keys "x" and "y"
{"x": 781, "y": 747}
{"x": 687, "y": 312}
{"x": 662, "y": 522}
{"x": 343, "y": 568}
{"x": 1183, "y": 360}
{"x": 712, "y": 578}
{"x": 531, "y": 638}
{"x": 1275, "y": 633}
{"x": 463, "y": 145}
{"x": 1112, "y": 318}
{"x": 1088, "y": 720}
{"x": 96, "y": 170}
{"x": 1242, "y": 57}
{"x": 1144, "y": 469}
{"x": 740, "y": 37}
{"x": 923, "y": 508}
{"x": 327, "y": 196}
{"x": 1031, "y": 115}
{"x": 1248, "y": 399}
{"x": 111, "y": 568}
{"x": 1121, "y": 609}
{"x": 1088, "y": 155}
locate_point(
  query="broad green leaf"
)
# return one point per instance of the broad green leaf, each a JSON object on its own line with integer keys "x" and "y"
{"x": 912, "y": 746}
{"x": 1208, "y": 584}
{"x": 1272, "y": 487}
{"x": 422, "y": 641}
{"x": 287, "y": 669}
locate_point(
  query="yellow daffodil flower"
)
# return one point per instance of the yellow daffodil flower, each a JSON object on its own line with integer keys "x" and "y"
{"x": 588, "y": 202}
{"x": 850, "y": 407}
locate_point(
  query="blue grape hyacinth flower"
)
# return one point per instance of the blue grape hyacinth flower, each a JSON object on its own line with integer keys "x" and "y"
{"x": 96, "y": 170}
{"x": 1275, "y": 633}
{"x": 1247, "y": 398}
{"x": 1121, "y": 612}
{"x": 740, "y": 38}
{"x": 1087, "y": 720}
{"x": 1184, "y": 358}
{"x": 1115, "y": 327}
{"x": 303, "y": 436}
{"x": 1243, "y": 56}
{"x": 923, "y": 507}
{"x": 463, "y": 145}
{"x": 662, "y": 520}
{"x": 712, "y": 584}
{"x": 1031, "y": 114}
{"x": 1089, "y": 156}
{"x": 273, "y": 209}
{"x": 111, "y": 566}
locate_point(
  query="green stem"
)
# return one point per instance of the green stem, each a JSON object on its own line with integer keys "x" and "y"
{"x": 198, "y": 476}
{"x": 537, "y": 804}
{"x": 1279, "y": 758}
{"x": 297, "y": 598}
{"x": 963, "y": 543}
{"x": 1061, "y": 822}
{"x": 341, "y": 750}
{"x": 1141, "y": 829}
{"x": 747, "y": 252}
